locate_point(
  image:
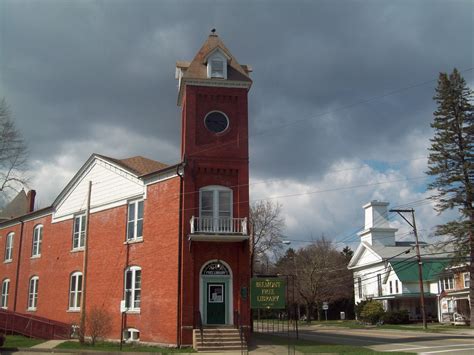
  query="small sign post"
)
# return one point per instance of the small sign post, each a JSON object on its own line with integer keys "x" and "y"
{"x": 325, "y": 308}
{"x": 267, "y": 293}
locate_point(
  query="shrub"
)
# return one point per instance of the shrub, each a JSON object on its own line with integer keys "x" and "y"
{"x": 99, "y": 323}
{"x": 358, "y": 308}
{"x": 372, "y": 312}
{"x": 2, "y": 339}
{"x": 396, "y": 317}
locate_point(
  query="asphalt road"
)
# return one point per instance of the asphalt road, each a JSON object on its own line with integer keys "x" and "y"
{"x": 394, "y": 340}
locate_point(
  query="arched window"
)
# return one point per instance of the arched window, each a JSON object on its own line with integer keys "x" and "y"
{"x": 75, "y": 291}
{"x": 215, "y": 208}
{"x": 37, "y": 239}
{"x": 5, "y": 291}
{"x": 9, "y": 247}
{"x": 133, "y": 288}
{"x": 33, "y": 293}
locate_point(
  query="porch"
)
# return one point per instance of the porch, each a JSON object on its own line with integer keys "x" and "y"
{"x": 411, "y": 303}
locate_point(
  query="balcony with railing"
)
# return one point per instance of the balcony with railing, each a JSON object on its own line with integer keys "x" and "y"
{"x": 218, "y": 229}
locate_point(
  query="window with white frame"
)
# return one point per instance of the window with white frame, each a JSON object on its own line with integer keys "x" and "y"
{"x": 217, "y": 66}
{"x": 396, "y": 286}
{"x": 391, "y": 288}
{"x": 447, "y": 283}
{"x": 467, "y": 282}
{"x": 75, "y": 291}
{"x": 33, "y": 293}
{"x": 79, "y": 234}
{"x": 359, "y": 286}
{"x": 133, "y": 288}
{"x": 215, "y": 208}
{"x": 37, "y": 239}
{"x": 5, "y": 291}
{"x": 135, "y": 221}
{"x": 131, "y": 335}
{"x": 379, "y": 285}
{"x": 9, "y": 247}
{"x": 450, "y": 306}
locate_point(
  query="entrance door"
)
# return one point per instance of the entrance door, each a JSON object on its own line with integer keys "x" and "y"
{"x": 216, "y": 306}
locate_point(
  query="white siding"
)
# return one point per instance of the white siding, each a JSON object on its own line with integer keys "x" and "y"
{"x": 369, "y": 281}
{"x": 368, "y": 257}
{"x": 111, "y": 187}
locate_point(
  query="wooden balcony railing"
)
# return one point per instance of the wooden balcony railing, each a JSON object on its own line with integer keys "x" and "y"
{"x": 221, "y": 225}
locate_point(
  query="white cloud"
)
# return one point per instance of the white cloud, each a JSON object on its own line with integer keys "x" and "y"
{"x": 48, "y": 177}
{"x": 332, "y": 205}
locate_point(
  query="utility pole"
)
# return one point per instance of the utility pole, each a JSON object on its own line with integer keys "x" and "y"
{"x": 84, "y": 271}
{"x": 418, "y": 256}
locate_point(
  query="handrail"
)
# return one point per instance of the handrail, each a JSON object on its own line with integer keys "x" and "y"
{"x": 239, "y": 326}
{"x": 219, "y": 225}
{"x": 198, "y": 324}
{"x": 33, "y": 326}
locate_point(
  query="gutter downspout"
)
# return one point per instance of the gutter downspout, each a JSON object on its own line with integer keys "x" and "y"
{"x": 18, "y": 265}
{"x": 180, "y": 233}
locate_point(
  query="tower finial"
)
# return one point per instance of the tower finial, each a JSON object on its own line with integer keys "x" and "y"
{"x": 213, "y": 32}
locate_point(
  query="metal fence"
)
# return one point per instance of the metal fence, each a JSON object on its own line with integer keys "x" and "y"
{"x": 33, "y": 326}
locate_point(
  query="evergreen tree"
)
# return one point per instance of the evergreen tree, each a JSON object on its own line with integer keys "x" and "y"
{"x": 451, "y": 162}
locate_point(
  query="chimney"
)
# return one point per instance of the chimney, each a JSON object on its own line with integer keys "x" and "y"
{"x": 30, "y": 198}
{"x": 376, "y": 227}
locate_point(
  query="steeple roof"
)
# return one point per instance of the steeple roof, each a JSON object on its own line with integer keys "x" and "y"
{"x": 196, "y": 70}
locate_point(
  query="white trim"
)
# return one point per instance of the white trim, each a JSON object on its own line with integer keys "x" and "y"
{"x": 36, "y": 252}
{"x": 231, "y": 288}
{"x": 33, "y": 305}
{"x": 99, "y": 208}
{"x": 135, "y": 236}
{"x": 222, "y": 113}
{"x": 161, "y": 177}
{"x": 76, "y": 307}
{"x": 9, "y": 243}
{"x": 215, "y": 189}
{"x": 133, "y": 269}
{"x": 4, "y": 305}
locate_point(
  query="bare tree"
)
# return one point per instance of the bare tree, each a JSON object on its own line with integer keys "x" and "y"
{"x": 99, "y": 323}
{"x": 266, "y": 228}
{"x": 13, "y": 153}
{"x": 321, "y": 274}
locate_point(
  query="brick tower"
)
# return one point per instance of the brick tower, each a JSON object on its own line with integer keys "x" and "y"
{"x": 214, "y": 265}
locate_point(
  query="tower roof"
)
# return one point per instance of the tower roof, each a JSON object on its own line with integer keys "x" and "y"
{"x": 196, "y": 71}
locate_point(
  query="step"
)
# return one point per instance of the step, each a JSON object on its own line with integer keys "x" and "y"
{"x": 224, "y": 338}
{"x": 221, "y": 349}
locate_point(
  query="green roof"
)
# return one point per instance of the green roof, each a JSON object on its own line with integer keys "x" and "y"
{"x": 408, "y": 270}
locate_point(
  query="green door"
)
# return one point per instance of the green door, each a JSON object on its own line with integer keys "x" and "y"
{"x": 216, "y": 303}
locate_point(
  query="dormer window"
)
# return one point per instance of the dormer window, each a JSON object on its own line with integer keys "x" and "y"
{"x": 217, "y": 68}
{"x": 217, "y": 65}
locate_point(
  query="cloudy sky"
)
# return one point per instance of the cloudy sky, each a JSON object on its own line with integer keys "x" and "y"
{"x": 339, "y": 110}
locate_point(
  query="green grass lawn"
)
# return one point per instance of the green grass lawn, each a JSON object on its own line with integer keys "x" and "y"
{"x": 312, "y": 347}
{"x": 108, "y": 346}
{"x": 19, "y": 341}
{"x": 432, "y": 327}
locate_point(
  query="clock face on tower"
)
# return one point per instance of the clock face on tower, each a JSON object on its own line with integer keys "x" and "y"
{"x": 216, "y": 122}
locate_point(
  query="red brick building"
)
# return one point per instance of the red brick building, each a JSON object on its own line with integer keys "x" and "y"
{"x": 168, "y": 245}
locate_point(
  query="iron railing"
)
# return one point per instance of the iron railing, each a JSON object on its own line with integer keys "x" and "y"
{"x": 33, "y": 326}
{"x": 221, "y": 225}
{"x": 238, "y": 324}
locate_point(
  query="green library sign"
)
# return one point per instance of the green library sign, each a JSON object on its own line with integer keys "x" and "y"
{"x": 267, "y": 293}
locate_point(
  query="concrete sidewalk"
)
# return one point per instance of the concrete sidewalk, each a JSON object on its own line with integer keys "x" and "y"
{"x": 48, "y": 347}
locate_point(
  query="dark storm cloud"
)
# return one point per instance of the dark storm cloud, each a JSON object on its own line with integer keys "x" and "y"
{"x": 68, "y": 66}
